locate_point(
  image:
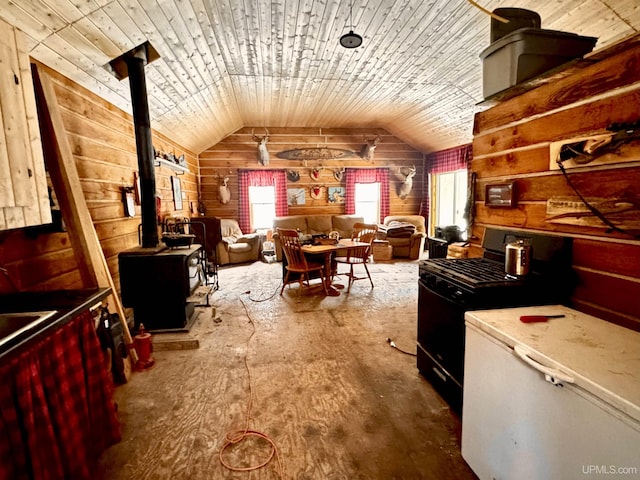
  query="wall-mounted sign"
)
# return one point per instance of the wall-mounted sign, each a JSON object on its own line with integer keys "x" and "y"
{"x": 320, "y": 153}
{"x": 500, "y": 195}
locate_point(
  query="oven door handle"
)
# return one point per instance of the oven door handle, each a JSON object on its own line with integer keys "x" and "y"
{"x": 551, "y": 375}
{"x": 458, "y": 302}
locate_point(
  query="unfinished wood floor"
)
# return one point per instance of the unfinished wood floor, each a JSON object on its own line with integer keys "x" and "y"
{"x": 336, "y": 399}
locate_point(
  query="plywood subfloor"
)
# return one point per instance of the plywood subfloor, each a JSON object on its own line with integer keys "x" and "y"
{"x": 336, "y": 399}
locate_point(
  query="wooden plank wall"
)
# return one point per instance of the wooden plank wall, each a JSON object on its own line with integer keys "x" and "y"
{"x": 103, "y": 144}
{"x": 512, "y": 143}
{"x": 239, "y": 151}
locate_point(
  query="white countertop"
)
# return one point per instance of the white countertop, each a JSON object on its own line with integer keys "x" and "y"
{"x": 603, "y": 358}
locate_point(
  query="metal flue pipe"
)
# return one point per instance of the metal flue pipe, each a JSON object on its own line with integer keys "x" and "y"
{"x": 132, "y": 64}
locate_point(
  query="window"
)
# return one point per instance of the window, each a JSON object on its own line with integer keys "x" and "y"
{"x": 373, "y": 188}
{"x": 274, "y": 203}
{"x": 262, "y": 205}
{"x": 450, "y": 199}
{"x": 367, "y": 201}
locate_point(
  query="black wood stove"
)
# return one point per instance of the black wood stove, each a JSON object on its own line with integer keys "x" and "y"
{"x": 158, "y": 285}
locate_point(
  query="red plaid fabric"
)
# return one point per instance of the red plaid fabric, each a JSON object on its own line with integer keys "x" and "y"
{"x": 366, "y": 175}
{"x": 56, "y": 406}
{"x": 444, "y": 161}
{"x": 260, "y": 178}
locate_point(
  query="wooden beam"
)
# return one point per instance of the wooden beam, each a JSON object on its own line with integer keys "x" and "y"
{"x": 66, "y": 183}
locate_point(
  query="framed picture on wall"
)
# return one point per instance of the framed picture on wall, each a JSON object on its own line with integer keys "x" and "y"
{"x": 335, "y": 194}
{"x": 296, "y": 196}
{"x": 177, "y": 193}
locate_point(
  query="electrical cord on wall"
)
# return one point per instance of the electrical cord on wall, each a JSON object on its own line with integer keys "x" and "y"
{"x": 392, "y": 344}
{"x": 597, "y": 213}
{"x": 235, "y": 437}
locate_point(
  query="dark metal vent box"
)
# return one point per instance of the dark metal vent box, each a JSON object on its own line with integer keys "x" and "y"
{"x": 526, "y": 53}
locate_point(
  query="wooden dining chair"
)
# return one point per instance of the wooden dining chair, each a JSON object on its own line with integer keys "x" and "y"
{"x": 297, "y": 261}
{"x": 365, "y": 233}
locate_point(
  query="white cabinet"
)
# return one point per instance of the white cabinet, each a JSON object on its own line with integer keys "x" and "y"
{"x": 24, "y": 199}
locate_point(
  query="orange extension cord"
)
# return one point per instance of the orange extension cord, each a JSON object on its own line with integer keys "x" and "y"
{"x": 235, "y": 437}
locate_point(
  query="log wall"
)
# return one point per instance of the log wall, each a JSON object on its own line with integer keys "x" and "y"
{"x": 103, "y": 144}
{"x": 239, "y": 151}
{"x": 513, "y": 143}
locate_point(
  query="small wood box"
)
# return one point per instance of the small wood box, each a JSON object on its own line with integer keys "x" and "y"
{"x": 382, "y": 251}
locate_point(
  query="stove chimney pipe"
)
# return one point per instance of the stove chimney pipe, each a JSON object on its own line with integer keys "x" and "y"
{"x": 132, "y": 64}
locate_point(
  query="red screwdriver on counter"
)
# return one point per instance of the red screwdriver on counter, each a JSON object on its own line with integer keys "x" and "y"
{"x": 537, "y": 318}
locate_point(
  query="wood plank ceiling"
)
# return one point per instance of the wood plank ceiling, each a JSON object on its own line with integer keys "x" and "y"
{"x": 226, "y": 64}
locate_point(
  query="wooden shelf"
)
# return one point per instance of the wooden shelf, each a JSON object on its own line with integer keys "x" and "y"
{"x": 161, "y": 162}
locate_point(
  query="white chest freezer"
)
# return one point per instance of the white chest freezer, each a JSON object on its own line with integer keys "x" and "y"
{"x": 551, "y": 400}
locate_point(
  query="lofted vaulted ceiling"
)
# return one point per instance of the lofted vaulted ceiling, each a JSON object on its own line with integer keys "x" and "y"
{"x": 226, "y": 64}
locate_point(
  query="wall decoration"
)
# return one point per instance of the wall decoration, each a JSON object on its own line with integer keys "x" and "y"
{"x": 407, "y": 183}
{"x": 315, "y": 173}
{"x": 572, "y": 211}
{"x": 315, "y": 191}
{"x": 170, "y": 160}
{"x": 338, "y": 173}
{"x": 605, "y": 149}
{"x": 177, "y": 193}
{"x": 366, "y": 152}
{"x": 225, "y": 192}
{"x": 293, "y": 176}
{"x": 128, "y": 200}
{"x": 314, "y": 153}
{"x": 500, "y": 195}
{"x": 296, "y": 196}
{"x": 335, "y": 194}
{"x": 263, "y": 153}
{"x": 136, "y": 187}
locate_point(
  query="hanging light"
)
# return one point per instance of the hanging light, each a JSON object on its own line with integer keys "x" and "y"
{"x": 351, "y": 40}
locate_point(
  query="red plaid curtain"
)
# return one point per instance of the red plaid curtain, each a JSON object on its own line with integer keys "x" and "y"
{"x": 260, "y": 178}
{"x": 57, "y": 413}
{"x": 366, "y": 175}
{"x": 444, "y": 161}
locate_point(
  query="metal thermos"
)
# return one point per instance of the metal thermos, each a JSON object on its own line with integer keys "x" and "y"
{"x": 517, "y": 258}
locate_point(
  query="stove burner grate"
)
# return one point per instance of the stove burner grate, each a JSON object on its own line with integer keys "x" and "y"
{"x": 472, "y": 270}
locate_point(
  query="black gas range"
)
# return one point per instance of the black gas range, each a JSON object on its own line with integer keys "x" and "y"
{"x": 450, "y": 287}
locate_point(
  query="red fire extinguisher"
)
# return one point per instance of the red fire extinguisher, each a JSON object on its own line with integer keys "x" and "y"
{"x": 144, "y": 347}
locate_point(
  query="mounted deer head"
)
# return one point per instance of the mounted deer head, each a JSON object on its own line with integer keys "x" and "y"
{"x": 225, "y": 192}
{"x": 366, "y": 152}
{"x": 407, "y": 184}
{"x": 263, "y": 153}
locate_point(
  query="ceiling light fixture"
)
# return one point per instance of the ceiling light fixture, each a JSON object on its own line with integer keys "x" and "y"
{"x": 351, "y": 40}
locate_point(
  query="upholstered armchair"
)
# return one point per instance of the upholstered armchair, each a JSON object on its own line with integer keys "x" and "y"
{"x": 405, "y": 233}
{"x": 235, "y": 246}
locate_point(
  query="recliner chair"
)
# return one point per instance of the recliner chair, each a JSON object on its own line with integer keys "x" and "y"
{"x": 235, "y": 246}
